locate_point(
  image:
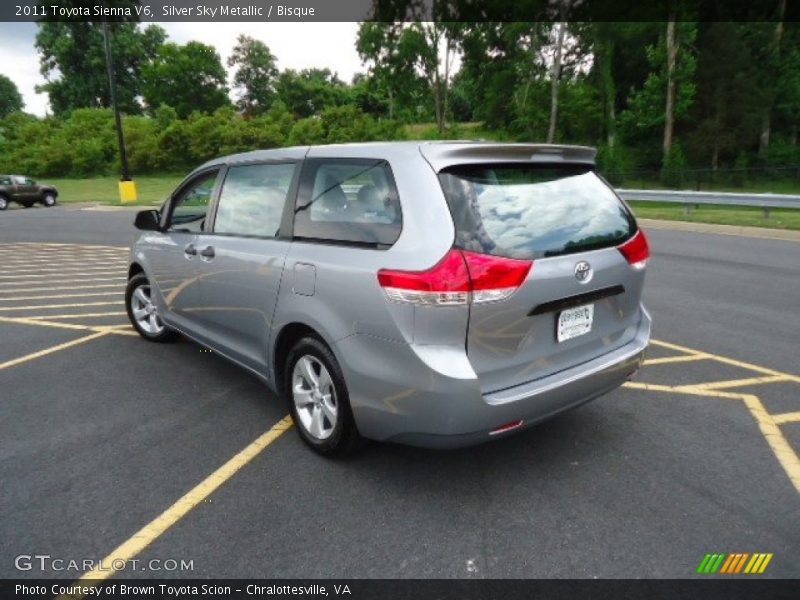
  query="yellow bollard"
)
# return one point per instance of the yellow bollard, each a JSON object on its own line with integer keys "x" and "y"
{"x": 127, "y": 191}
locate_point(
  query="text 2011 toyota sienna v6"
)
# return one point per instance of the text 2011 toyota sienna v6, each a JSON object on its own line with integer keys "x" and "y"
{"x": 430, "y": 293}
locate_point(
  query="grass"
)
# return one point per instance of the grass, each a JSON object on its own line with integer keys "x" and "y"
{"x": 151, "y": 189}
{"x": 773, "y": 186}
{"x": 779, "y": 218}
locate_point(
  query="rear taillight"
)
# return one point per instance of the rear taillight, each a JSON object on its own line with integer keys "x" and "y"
{"x": 636, "y": 250}
{"x": 459, "y": 278}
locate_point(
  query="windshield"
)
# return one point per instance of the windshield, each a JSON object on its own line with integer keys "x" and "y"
{"x": 533, "y": 211}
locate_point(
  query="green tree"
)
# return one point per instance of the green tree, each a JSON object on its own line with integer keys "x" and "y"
{"x": 10, "y": 98}
{"x": 188, "y": 78}
{"x": 310, "y": 91}
{"x": 255, "y": 75}
{"x": 72, "y": 61}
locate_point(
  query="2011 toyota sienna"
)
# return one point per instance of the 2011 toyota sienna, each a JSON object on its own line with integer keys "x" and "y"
{"x": 431, "y": 293}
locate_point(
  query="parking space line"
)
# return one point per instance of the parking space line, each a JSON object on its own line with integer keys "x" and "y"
{"x": 48, "y": 306}
{"x": 17, "y": 298}
{"x": 81, "y": 315}
{"x": 733, "y": 383}
{"x": 153, "y": 530}
{"x": 726, "y": 360}
{"x": 790, "y": 417}
{"x": 58, "y": 288}
{"x": 47, "y": 276}
{"x": 675, "y": 359}
{"x": 34, "y": 355}
{"x": 57, "y": 269}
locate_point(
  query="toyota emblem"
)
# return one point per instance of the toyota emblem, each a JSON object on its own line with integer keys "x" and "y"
{"x": 583, "y": 272}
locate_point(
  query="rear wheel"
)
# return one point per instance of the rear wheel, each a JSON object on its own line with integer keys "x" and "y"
{"x": 319, "y": 400}
{"x": 143, "y": 313}
{"x": 49, "y": 200}
{"x": 3, "y": 203}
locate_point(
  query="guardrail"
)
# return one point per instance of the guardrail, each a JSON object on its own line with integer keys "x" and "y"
{"x": 689, "y": 198}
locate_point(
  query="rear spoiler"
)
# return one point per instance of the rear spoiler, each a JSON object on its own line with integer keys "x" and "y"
{"x": 441, "y": 155}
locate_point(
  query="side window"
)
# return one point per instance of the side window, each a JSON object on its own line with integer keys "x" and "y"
{"x": 5, "y": 180}
{"x": 253, "y": 198}
{"x": 190, "y": 208}
{"x": 348, "y": 200}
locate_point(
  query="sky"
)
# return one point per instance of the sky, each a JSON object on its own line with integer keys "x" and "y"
{"x": 295, "y": 45}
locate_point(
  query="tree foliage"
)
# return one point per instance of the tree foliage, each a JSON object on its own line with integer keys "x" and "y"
{"x": 10, "y": 98}
{"x": 255, "y": 75}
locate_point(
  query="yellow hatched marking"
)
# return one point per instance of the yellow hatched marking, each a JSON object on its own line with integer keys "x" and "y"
{"x": 153, "y": 530}
{"x": 790, "y": 417}
{"x": 34, "y": 355}
{"x": 728, "y": 361}
{"x": 733, "y": 383}
{"x": 123, "y": 329}
{"x": 675, "y": 359}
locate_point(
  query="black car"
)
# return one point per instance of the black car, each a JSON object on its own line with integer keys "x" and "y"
{"x": 25, "y": 191}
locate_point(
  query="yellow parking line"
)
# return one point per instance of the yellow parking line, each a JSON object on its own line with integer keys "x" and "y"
{"x": 34, "y": 355}
{"x": 39, "y": 321}
{"x": 62, "y": 260}
{"x": 58, "y": 288}
{"x": 46, "y": 276}
{"x": 60, "y": 269}
{"x": 780, "y": 446}
{"x": 18, "y": 298}
{"x": 49, "y": 306}
{"x": 733, "y": 383}
{"x": 4, "y": 284}
{"x": 80, "y": 315}
{"x": 675, "y": 359}
{"x": 790, "y": 417}
{"x": 650, "y": 387}
{"x": 60, "y": 245}
{"x": 150, "y": 532}
{"x": 726, "y": 360}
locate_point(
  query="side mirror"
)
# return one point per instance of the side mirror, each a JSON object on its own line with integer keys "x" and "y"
{"x": 148, "y": 220}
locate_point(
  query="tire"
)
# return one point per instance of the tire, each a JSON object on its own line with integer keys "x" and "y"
{"x": 49, "y": 199}
{"x": 3, "y": 203}
{"x": 142, "y": 312}
{"x": 26, "y": 203}
{"x": 331, "y": 436}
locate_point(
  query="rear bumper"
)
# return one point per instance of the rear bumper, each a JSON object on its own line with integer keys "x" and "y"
{"x": 432, "y": 398}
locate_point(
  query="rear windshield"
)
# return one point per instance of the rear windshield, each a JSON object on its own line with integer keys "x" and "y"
{"x": 532, "y": 211}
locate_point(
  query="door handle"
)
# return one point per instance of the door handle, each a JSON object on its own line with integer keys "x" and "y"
{"x": 190, "y": 250}
{"x": 207, "y": 252}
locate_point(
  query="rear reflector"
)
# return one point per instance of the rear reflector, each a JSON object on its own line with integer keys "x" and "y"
{"x": 636, "y": 250}
{"x": 461, "y": 277}
{"x": 506, "y": 427}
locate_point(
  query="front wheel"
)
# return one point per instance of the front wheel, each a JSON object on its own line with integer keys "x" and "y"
{"x": 49, "y": 200}
{"x": 143, "y": 312}
{"x": 318, "y": 399}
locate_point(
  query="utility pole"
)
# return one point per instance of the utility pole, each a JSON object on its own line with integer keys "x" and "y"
{"x": 127, "y": 188}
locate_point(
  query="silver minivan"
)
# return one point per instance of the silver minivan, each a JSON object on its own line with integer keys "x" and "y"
{"x": 430, "y": 293}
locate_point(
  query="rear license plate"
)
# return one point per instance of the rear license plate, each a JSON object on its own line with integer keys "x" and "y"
{"x": 574, "y": 322}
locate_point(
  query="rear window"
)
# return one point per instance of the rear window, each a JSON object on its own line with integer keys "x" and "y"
{"x": 533, "y": 211}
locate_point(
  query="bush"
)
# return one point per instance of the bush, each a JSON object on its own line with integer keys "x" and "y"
{"x": 614, "y": 163}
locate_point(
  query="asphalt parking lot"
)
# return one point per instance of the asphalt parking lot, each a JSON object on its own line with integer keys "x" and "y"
{"x": 114, "y": 447}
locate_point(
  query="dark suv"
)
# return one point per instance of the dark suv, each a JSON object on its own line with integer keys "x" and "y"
{"x": 25, "y": 191}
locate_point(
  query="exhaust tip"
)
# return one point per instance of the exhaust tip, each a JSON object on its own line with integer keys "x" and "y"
{"x": 506, "y": 427}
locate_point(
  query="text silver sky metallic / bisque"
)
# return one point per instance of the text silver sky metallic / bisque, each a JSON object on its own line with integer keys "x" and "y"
{"x": 436, "y": 294}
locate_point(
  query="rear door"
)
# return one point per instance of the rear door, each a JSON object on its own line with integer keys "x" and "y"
{"x": 240, "y": 263}
{"x": 581, "y": 296}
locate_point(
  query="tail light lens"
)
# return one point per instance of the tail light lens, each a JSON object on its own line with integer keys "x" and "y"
{"x": 459, "y": 278}
{"x": 636, "y": 250}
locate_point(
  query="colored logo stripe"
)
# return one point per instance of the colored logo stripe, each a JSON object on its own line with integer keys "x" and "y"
{"x": 735, "y": 563}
